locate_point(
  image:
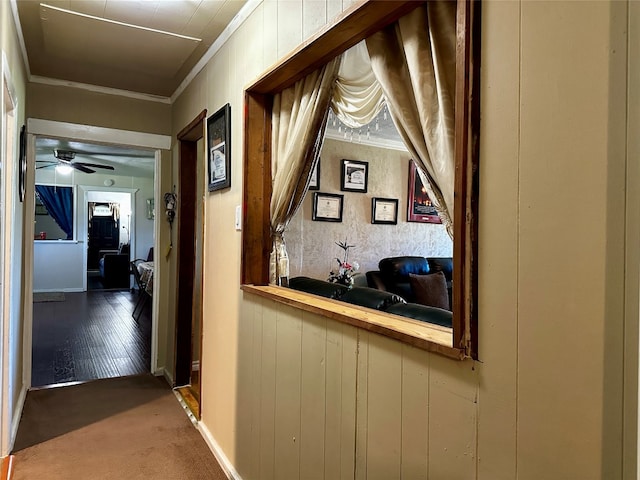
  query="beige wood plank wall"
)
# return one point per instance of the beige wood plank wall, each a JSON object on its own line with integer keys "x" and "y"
{"x": 292, "y": 395}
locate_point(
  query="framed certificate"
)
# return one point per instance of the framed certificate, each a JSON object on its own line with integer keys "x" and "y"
{"x": 327, "y": 207}
{"x": 384, "y": 210}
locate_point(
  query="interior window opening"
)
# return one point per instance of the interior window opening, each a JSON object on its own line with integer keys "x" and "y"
{"x": 54, "y": 212}
{"x": 344, "y": 213}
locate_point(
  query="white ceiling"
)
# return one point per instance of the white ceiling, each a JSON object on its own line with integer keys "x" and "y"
{"x": 380, "y": 132}
{"x": 96, "y": 42}
{"x": 128, "y": 162}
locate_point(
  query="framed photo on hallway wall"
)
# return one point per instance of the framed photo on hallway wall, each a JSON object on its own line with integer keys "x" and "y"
{"x": 219, "y": 148}
{"x": 419, "y": 206}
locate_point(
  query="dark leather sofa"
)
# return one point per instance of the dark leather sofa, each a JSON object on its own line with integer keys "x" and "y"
{"x": 373, "y": 298}
{"x": 393, "y": 275}
{"x": 114, "y": 268}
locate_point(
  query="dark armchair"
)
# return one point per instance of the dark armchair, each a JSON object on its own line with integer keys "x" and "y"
{"x": 114, "y": 268}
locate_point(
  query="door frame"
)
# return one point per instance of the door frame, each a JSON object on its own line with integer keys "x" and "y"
{"x": 10, "y": 284}
{"x": 88, "y": 133}
{"x": 188, "y": 139}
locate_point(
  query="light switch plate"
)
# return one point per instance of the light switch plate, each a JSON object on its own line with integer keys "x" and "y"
{"x": 238, "y": 217}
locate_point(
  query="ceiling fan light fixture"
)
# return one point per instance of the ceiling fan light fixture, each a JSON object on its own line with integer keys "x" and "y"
{"x": 65, "y": 155}
{"x": 64, "y": 169}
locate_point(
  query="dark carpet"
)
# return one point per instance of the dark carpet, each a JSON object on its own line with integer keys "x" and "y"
{"x": 130, "y": 427}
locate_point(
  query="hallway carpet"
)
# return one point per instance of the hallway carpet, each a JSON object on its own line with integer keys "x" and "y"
{"x": 129, "y": 427}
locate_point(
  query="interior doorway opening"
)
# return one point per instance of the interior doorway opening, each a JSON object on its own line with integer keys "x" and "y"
{"x": 77, "y": 333}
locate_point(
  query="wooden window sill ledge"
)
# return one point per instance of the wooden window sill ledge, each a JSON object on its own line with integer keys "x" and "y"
{"x": 430, "y": 337}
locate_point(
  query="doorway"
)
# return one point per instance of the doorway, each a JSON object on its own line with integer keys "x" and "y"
{"x": 110, "y": 238}
{"x": 79, "y": 335}
{"x": 190, "y": 239}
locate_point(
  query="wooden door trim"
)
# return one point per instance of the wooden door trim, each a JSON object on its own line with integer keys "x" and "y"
{"x": 187, "y": 210}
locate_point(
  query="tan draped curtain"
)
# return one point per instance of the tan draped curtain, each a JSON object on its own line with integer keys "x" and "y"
{"x": 357, "y": 97}
{"x": 298, "y": 125}
{"x": 414, "y": 59}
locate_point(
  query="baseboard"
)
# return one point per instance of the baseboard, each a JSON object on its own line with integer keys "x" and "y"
{"x": 54, "y": 290}
{"x": 224, "y": 462}
{"x": 6, "y": 471}
{"x": 17, "y": 415}
{"x": 163, "y": 372}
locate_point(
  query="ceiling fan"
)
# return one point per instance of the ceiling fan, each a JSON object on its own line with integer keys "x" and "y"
{"x": 66, "y": 158}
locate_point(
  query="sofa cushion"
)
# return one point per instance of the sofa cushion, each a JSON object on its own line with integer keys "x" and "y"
{"x": 395, "y": 273}
{"x": 370, "y": 298}
{"x": 423, "y": 313}
{"x": 430, "y": 290}
{"x": 317, "y": 287}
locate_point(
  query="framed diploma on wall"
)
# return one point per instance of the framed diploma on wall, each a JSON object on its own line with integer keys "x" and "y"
{"x": 327, "y": 207}
{"x": 384, "y": 210}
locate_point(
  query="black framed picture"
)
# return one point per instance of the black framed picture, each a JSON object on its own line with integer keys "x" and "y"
{"x": 314, "y": 182}
{"x": 219, "y": 148}
{"x": 354, "y": 176}
{"x": 22, "y": 163}
{"x": 384, "y": 210}
{"x": 327, "y": 207}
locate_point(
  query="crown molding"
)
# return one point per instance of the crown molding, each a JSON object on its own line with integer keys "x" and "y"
{"x": 98, "y": 89}
{"x": 372, "y": 142}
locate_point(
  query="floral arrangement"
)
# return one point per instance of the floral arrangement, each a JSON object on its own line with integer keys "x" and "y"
{"x": 345, "y": 271}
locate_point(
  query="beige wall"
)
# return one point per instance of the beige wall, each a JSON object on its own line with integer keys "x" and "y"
{"x": 84, "y": 107}
{"x": 288, "y": 394}
{"x": 311, "y": 245}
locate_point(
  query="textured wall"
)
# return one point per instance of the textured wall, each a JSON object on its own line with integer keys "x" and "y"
{"x": 311, "y": 247}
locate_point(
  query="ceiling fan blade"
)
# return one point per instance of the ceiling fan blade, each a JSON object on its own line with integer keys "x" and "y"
{"x": 94, "y": 165}
{"x": 46, "y": 166}
{"x": 81, "y": 168}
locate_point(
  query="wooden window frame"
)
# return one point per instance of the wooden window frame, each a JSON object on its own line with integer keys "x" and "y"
{"x": 354, "y": 25}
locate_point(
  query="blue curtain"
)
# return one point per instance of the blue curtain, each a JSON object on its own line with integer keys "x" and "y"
{"x": 59, "y": 204}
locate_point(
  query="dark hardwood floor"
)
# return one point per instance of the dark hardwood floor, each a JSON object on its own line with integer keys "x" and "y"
{"x": 88, "y": 336}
